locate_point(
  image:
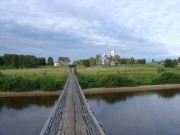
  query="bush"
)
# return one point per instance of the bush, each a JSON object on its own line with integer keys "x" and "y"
{"x": 46, "y": 83}
{"x": 113, "y": 80}
{"x": 87, "y": 81}
{"x": 170, "y": 63}
{"x": 1, "y": 74}
{"x": 60, "y": 84}
{"x": 7, "y": 67}
{"x": 166, "y": 77}
{"x": 1, "y": 82}
{"x": 23, "y": 83}
{"x": 160, "y": 69}
{"x": 16, "y": 83}
{"x": 141, "y": 79}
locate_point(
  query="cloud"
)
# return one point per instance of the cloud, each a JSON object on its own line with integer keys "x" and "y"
{"x": 141, "y": 28}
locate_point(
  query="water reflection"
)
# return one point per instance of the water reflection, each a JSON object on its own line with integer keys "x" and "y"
{"x": 131, "y": 113}
{"x": 138, "y": 113}
{"x": 168, "y": 93}
{"x": 20, "y": 103}
{"x": 112, "y": 98}
{"x": 24, "y": 115}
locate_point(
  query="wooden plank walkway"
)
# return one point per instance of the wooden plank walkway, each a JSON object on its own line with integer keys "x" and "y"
{"x": 71, "y": 114}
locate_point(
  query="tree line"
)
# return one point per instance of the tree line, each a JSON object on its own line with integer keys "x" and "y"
{"x": 23, "y": 61}
{"x": 92, "y": 61}
{"x": 171, "y": 63}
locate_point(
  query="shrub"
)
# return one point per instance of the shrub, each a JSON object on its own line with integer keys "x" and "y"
{"x": 113, "y": 80}
{"x": 46, "y": 83}
{"x": 88, "y": 81}
{"x": 166, "y": 77}
{"x": 160, "y": 69}
{"x": 16, "y": 83}
{"x": 1, "y": 82}
{"x": 170, "y": 63}
{"x": 1, "y": 74}
{"x": 141, "y": 79}
{"x": 24, "y": 83}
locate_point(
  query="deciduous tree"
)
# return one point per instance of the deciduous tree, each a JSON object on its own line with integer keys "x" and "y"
{"x": 50, "y": 61}
{"x": 170, "y": 63}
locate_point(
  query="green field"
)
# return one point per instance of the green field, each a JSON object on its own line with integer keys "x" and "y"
{"x": 53, "y": 78}
{"x": 55, "y": 72}
{"x": 59, "y": 71}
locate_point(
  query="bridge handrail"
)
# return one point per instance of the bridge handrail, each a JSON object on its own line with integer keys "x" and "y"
{"x": 89, "y": 110}
{"x": 48, "y": 122}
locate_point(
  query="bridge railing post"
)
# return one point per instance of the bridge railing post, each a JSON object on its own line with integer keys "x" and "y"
{"x": 75, "y": 70}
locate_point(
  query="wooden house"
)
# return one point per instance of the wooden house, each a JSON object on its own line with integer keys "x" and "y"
{"x": 62, "y": 61}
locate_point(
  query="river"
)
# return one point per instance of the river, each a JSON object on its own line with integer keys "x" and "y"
{"x": 131, "y": 113}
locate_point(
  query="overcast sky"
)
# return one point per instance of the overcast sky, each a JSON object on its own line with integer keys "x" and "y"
{"x": 83, "y": 28}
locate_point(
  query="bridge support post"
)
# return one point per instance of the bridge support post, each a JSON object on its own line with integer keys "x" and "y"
{"x": 75, "y": 70}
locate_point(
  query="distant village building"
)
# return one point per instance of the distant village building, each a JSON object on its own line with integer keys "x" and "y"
{"x": 99, "y": 61}
{"x": 62, "y": 61}
{"x": 113, "y": 53}
{"x": 105, "y": 60}
{"x": 56, "y": 63}
{"x": 114, "y": 63}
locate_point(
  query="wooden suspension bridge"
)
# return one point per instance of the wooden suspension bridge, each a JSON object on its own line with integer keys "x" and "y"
{"x": 71, "y": 114}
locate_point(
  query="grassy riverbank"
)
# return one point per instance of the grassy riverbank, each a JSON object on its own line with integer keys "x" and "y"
{"x": 127, "y": 80}
{"x": 128, "y": 76}
{"x": 54, "y": 78}
{"x": 43, "y": 78}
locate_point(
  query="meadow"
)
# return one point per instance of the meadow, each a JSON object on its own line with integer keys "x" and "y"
{"x": 49, "y": 78}
{"x": 41, "y": 78}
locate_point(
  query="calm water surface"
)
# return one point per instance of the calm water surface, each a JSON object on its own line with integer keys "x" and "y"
{"x": 135, "y": 113}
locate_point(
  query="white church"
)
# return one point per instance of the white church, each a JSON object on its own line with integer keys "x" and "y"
{"x": 105, "y": 61}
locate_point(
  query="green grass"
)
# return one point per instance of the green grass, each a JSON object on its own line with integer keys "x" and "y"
{"x": 59, "y": 71}
{"x": 129, "y": 75}
{"x": 43, "y": 78}
{"x": 54, "y": 78}
{"x": 41, "y": 71}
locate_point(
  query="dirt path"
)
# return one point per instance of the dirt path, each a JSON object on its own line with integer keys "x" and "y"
{"x": 31, "y": 93}
{"x": 132, "y": 89}
{"x": 94, "y": 90}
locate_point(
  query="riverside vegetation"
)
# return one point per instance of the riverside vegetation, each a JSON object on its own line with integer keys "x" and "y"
{"x": 50, "y": 78}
